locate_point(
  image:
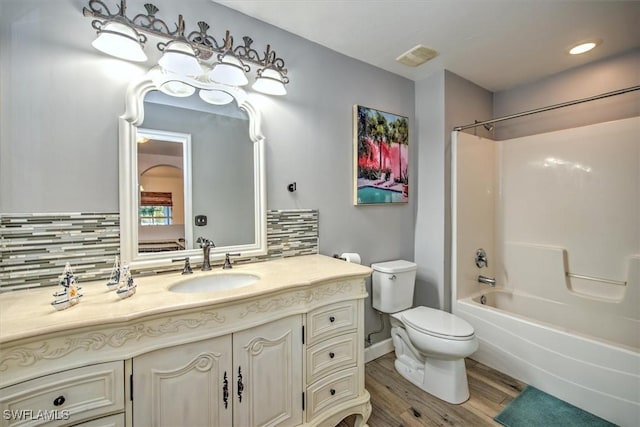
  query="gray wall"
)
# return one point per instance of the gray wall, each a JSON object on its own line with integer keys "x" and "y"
{"x": 443, "y": 101}
{"x": 61, "y": 99}
{"x": 429, "y": 228}
{"x": 603, "y": 76}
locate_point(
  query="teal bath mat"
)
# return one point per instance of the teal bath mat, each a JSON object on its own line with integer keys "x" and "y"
{"x": 535, "y": 408}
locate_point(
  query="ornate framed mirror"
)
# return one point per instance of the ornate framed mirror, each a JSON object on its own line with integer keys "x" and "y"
{"x": 189, "y": 167}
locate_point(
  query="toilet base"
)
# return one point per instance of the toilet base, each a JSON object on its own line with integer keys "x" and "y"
{"x": 445, "y": 379}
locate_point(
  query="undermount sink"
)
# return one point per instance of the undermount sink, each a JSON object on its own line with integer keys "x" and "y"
{"x": 217, "y": 282}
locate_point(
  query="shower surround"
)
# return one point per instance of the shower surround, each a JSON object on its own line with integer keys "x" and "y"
{"x": 557, "y": 214}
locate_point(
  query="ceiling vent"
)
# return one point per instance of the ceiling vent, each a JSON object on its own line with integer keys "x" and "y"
{"x": 417, "y": 56}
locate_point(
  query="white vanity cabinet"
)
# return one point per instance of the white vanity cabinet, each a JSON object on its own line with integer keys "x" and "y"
{"x": 334, "y": 357}
{"x": 249, "y": 378}
{"x": 288, "y": 351}
{"x": 65, "y": 398}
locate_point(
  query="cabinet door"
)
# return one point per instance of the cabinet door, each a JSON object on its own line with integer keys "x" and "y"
{"x": 184, "y": 385}
{"x": 267, "y": 363}
{"x": 116, "y": 420}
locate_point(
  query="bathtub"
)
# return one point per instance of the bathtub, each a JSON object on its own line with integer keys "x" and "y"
{"x": 589, "y": 361}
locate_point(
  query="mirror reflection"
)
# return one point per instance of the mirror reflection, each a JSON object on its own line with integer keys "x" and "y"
{"x": 162, "y": 162}
{"x": 213, "y": 143}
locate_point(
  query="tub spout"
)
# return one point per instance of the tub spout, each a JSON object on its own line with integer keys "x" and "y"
{"x": 487, "y": 280}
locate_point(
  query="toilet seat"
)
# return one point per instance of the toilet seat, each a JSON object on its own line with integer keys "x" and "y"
{"x": 437, "y": 323}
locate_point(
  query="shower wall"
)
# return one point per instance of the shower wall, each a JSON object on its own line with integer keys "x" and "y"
{"x": 550, "y": 204}
{"x": 473, "y": 181}
{"x": 570, "y": 202}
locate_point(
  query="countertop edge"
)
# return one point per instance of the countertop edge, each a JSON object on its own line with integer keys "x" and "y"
{"x": 173, "y": 304}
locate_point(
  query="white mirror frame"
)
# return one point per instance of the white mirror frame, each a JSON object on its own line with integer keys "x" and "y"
{"x": 128, "y": 160}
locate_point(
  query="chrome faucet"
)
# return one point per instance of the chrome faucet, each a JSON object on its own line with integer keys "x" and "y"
{"x": 206, "y": 246}
{"x": 487, "y": 280}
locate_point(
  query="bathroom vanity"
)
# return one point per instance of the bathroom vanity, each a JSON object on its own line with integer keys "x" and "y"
{"x": 284, "y": 350}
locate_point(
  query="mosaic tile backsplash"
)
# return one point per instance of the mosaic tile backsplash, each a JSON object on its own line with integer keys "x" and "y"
{"x": 36, "y": 247}
{"x": 292, "y": 233}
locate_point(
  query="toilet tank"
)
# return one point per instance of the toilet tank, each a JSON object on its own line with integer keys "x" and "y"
{"x": 392, "y": 285}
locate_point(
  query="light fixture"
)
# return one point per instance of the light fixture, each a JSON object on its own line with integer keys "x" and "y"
{"x": 271, "y": 82}
{"x": 177, "y": 88}
{"x": 215, "y": 97}
{"x": 229, "y": 70}
{"x": 180, "y": 58}
{"x": 184, "y": 53}
{"x": 584, "y": 47}
{"x": 120, "y": 40}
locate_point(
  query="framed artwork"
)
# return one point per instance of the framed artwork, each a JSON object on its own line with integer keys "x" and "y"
{"x": 381, "y": 157}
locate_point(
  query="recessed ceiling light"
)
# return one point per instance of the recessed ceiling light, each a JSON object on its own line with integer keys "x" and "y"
{"x": 584, "y": 47}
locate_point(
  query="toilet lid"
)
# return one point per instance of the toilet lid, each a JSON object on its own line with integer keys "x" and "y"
{"x": 393, "y": 267}
{"x": 437, "y": 323}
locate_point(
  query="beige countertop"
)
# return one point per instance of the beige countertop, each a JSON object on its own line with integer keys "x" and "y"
{"x": 28, "y": 313}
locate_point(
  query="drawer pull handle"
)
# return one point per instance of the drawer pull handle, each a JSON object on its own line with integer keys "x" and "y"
{"x": 332, "y": 319}
{"x": 332, "y": 355}
{"x": 59, "y": 401}
{"x": 332, "y": 391}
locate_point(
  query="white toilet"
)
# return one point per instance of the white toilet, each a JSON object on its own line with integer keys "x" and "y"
{"x": 430, "y": 344}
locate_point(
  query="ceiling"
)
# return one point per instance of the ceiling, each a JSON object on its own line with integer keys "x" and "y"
{"x": 497, "y": 44}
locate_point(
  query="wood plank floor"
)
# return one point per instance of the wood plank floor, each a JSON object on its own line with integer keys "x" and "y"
{"x": 398, "y": 403}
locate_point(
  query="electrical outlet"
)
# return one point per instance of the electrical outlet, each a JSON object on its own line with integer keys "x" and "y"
{"x": 201, "y": 220}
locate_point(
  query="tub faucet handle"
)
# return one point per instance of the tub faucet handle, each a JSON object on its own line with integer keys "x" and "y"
{"x": 481, "y": 258}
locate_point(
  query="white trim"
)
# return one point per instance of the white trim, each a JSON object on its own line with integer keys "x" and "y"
{"x": 454, "y": 220}
{"x": 378, "y": 349}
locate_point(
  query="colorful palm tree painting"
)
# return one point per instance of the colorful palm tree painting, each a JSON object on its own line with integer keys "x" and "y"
{"x": 381, "y": 152}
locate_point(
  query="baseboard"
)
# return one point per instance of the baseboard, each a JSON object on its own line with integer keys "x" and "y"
{"x": 378, "y": 349}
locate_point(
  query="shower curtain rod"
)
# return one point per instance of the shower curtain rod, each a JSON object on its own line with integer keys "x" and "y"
{"x": 551, "y": 107}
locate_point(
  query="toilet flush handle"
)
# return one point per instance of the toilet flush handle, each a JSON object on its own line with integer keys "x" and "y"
{"x": 393, "y": 277}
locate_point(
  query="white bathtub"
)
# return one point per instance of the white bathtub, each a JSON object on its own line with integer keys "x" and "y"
{"x": 544, "y": 344}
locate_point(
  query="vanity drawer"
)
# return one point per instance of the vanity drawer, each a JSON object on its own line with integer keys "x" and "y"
{"x": 331, "y": 355}
{"x": 65, "y": 397}
{"x": 326, "y": 322}
{"x": 331, "y": 390}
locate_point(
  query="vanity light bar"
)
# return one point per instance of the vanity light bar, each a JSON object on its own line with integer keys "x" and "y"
{"x": 204, "y": 45}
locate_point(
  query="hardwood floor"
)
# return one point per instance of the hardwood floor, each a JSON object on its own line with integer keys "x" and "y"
{"x": 398, "y": 403}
